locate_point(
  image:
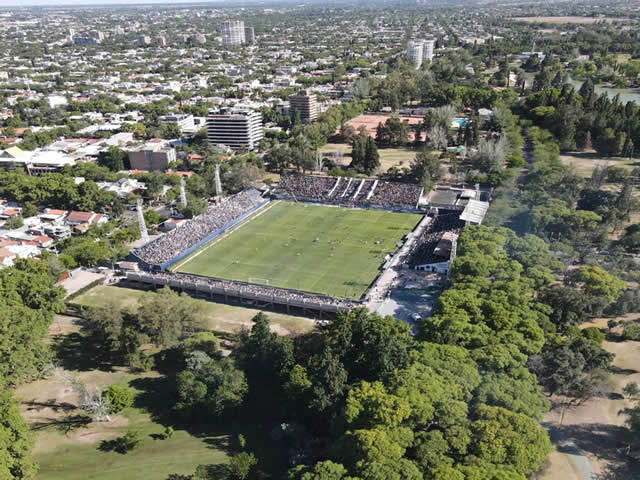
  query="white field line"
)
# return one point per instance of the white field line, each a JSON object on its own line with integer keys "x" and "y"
{"x": 219, "y": 238}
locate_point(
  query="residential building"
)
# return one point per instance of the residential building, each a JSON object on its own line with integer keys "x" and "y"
{"x": 161, "y": 41}
{"x": 427, "y": 50}
{"x": 153, "y": 155}
{"x": 415, "y": 52}
{"x": 239, "y": 128}
{"x": 144, "y": 40}
{"x": 249, "y": 35}
{"x": 199, "y": 38}
{"x": 305, "y": 104}
{"x": 233, "y": 33}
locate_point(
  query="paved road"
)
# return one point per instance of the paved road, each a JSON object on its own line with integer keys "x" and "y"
{"x": 565, "y": 445}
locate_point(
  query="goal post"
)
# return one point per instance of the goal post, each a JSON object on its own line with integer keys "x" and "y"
{"x": 260, "y": 281}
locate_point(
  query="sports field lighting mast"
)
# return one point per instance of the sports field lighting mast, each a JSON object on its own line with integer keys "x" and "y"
{"x": 183, "y": 193}
{"x": 218, "y": 184}
{"x": 141, "y": 224}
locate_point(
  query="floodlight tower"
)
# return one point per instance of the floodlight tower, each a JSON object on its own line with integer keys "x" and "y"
{"x": 143, "y": 226}
{"x": 218, "y": 184}
{"x": 183, "y": 193}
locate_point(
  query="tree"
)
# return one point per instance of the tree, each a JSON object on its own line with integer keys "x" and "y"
{"x": 502, "y": 437}
{"x": 369, "y": 345}
{"x": 426, "y": 168}
{"x": 15, "y": 440}
{"x": 14, "y": 222}
{"x": 209, "y": 388}
{"x": 630, "y": 239}
{"x": 371, "y": 157}
{"x": 118, "y": 397}
{"x": 131, "y": 440}
{"x": 491, "y": 155}
{"x": 241, "y": 464}
{"x": 368, "y": 405}
{"x": 167, "y": 316}
{"x": 438, "y": 137}
{"x": 597, "y": 282}
{"x": 115, "y": 159}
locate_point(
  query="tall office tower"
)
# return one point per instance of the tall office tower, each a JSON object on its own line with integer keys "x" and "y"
{"x": 233, "y": 33}
{"x": 304, "y": 103}
{"x": 427, "y": 53}
{"x": 249, "y": 35}
{"x": 97, "y": 35}
{"x": 415, "y": 52}
{"x": 239, "y": 128}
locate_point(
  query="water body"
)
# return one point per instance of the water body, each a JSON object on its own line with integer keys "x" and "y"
{"x": 626, "y": 94}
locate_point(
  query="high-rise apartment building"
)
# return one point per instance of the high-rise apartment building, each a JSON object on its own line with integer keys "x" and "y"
{"x": 161, "y": 41}
{"x": 249, "y": 35}
{"x": 144, "y": 40}
{"x": 239, "y": 128}
{"x": 427, "y": 50}
{"x": 415, "y": 52}
{"x": 305, "y": 104}
{"x": 233, "y": 33}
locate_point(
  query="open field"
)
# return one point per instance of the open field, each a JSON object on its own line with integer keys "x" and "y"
{"x": 569, "y": 19}
{"x": 389, "y": 157}
{"x": 321, "y": 249}
{"x": 68, "y": 443}
{"x": 585, "y": 162}
{"x": 218, "y": 316}
{"x": 595, "y": 426}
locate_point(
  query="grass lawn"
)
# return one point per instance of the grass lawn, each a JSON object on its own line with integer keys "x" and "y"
{"x": 68, "y": 446}
{"x": 336, "y": 251}
{"x": 585, "y": 162}
{"x": 218, "y": 316}
{"x": 389, "y": 157}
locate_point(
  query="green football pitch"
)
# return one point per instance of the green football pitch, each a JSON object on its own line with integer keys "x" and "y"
{"x": 321, "y": 249}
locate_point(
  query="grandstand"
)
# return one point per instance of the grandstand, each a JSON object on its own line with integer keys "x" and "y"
{"x": 365, "y": 193}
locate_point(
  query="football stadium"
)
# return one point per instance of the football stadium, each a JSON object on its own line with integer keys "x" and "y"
{"x": 312, "y": 242}
{"x": 336, "y": 251}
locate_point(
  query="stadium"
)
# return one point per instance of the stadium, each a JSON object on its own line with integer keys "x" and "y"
{"x": 314, "y": 243}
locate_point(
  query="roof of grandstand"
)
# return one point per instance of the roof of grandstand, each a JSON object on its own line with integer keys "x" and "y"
{"x": 475, "y": 211}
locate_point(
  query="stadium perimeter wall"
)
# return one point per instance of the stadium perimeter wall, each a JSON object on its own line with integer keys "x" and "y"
{"x": 233, "y": 289}
{"x": 208, "y": 238}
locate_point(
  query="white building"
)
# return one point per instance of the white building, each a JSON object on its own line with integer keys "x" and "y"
{"x": 184, "y": 121}
{"x": 239, "y": 128}
{"x": 415, "y": 52}
{"x": 427, "y": 50}
{"x": 233, "y": 33}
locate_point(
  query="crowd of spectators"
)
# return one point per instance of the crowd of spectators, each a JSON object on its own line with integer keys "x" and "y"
{"x": 320, "y": 189}
{"x": 190, "y": 233}
{"x": 422, "y": 252}
{"x": 307, "y": 186}
{"x": 248, "y": 290}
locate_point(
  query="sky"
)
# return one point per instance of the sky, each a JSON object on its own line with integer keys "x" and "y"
{"x": 63, "y": 3}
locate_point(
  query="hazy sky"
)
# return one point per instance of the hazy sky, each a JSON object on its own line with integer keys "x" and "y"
{"x": 62, "y": 3}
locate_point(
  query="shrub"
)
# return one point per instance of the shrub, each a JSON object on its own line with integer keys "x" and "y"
{"x": 129, "y": 441}
{"x": 631, "y": 331}
{"x": 119, "y": 398}
{"x": 593, "y": 334}
{"x": 168, "y": 432}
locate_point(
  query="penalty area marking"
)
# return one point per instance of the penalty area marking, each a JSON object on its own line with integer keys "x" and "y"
{"x": 221, "y": 237}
